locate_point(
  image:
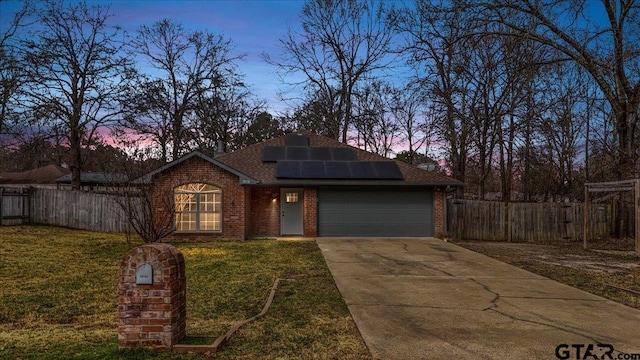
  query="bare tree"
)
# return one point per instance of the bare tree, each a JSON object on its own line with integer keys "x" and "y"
{"x": 607, "y": 49}
{"x": 138, "y": 203}
{"x": 223, "y": 114}
{"x": 187, "y": 64}
{"x": 415, "y": 121}
{"x": 148, "y": 115}
{"x": 318, "y": 114}
{"x": 376, "y": 127}
{"x": 432, "y": 48}
{"x": 77, "y": 71}
{"x": 340, "y": 45}
{"x": 11, "y": 71}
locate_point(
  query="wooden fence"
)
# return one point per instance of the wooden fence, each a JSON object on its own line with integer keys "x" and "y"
{"x": 74, "y": 209}
{"x": 14, "y": 206}
{"x": 525, "y": 222}
{"x": 78, "y": 210}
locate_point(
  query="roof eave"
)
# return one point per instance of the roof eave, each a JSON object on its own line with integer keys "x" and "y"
{"x": 293, "y": 182}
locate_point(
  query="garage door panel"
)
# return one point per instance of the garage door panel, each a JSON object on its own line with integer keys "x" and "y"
{"x": 356, "y": 212}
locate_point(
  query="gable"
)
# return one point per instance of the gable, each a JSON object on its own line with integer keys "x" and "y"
{"x": 242, "y": 178}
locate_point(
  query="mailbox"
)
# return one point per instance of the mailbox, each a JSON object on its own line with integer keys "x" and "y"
{"x": 144, "y": 274}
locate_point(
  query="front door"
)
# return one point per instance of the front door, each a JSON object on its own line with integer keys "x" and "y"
{"x": 291, "y": 212}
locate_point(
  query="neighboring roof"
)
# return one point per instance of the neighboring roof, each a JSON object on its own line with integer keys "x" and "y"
{"x": 248, "y": 161}
{"x": 244, "y": 179}
{"x": 96, "y": 178}
{"x": 42, "y": 175}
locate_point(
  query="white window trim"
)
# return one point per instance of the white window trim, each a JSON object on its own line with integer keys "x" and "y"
{"x": 196, "y": 189}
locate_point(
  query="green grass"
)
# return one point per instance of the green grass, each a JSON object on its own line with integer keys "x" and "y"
{"x": 58, "y": 291}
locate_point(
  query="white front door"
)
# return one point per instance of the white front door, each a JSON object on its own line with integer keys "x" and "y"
{"x": 291, "y": 212}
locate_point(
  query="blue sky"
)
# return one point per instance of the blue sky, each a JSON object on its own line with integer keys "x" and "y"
{"x": 253, "y": 26}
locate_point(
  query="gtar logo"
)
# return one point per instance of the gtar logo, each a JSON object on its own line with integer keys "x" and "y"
{"x": 584, "y": 351}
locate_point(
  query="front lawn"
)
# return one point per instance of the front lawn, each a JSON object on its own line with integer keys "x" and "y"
{"x": 59, "y": 298}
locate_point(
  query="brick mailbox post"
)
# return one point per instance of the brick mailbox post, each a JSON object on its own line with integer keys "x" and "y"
{"x": 152, "y": 298}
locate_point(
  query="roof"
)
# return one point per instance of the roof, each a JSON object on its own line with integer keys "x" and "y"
{"x": 248, "y": 161}
{"x": 96, "y": 178}
{"x": 244, "y": 179}
{"x": 42, "y": 175}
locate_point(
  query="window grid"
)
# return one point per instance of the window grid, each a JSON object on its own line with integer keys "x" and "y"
{"x": 198, "y": 207}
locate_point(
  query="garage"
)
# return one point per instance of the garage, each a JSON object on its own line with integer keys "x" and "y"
{"x": 375, "y": 212}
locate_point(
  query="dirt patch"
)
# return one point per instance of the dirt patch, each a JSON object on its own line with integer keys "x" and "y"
{"x": 610, "y": 269}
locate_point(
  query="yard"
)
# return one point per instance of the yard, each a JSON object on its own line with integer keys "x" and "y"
{"x": 605, "y": 269}
{"x": 59, "y": 298}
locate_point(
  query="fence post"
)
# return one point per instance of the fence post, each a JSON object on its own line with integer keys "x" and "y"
{"x": 508, "y": 215}
{"x": 1, "y": 202}
{"x": 636, "y": 203}
{"x": 586, "y": 214}
{"x": 26, "y": 204}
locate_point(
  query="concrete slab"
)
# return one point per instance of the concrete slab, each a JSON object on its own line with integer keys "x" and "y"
{"x": 423, "y": 298}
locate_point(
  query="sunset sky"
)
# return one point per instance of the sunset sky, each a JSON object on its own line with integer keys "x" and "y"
{"x": 254, "y": 27}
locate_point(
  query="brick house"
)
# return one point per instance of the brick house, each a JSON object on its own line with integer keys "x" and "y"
{"x": 299, "y": 184}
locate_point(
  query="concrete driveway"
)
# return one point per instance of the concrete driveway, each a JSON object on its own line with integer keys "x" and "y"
{"x": 428, "y": 299}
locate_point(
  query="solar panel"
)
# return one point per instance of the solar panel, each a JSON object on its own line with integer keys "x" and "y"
{"x": 362, "y": 170}
{"x": 337, "y": 170}
{"x": 320, "y": 153}
{"x": 297, "y": 153}
{"x": 297, "y": 140}
{"x": 273, "y": 153}
{"x": 387, "y": 170}
{"x": 312, "y": 170}
{"x": 343, "y": 154}
{"x": 288, "y": 169}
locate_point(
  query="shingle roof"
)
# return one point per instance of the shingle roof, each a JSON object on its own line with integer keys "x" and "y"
{"x": 96, "y": 178}
{"x": 42, "y": 175}
{"x": 248, "y": 161}
{"x": 244, "y": 179}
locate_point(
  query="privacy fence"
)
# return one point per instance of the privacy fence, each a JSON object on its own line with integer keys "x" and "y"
{"x": 526, "y": 222}
{"x": 14, "y": 206}
{"x": 74, "y": 209}
{"x": 467, "y": 219}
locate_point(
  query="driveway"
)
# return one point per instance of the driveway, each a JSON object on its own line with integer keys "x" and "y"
{"x": 427, "y": 299}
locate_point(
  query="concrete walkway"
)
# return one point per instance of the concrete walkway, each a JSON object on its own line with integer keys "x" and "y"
{"x": 428, "y": 299}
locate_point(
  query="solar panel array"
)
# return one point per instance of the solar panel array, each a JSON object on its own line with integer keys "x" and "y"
{"x": 356, "y": 170}
{"x": 297, "y": 160}
{"x": 278, "y": 153}
{"x": 297, "y": 140}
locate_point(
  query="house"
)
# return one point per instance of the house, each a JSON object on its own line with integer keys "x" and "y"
{"x": 95, "y": 181}
{"x": 299, "y": 184}
{"x": 42, "y": 177}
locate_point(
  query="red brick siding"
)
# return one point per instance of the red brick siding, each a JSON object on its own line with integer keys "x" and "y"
{"x": 265, "y": 212}
{"x": 310, "y": 214}
{"x": 198, "y": 170}
{"x": 438, "y": 214}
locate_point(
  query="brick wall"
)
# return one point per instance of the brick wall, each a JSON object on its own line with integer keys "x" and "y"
{"x": 152, "y": 316}
{"x": 438, "y": 214}
{"x": 198, "y": 170}
{"x": 310, "y": 212}
{"x": 264, "y": 211}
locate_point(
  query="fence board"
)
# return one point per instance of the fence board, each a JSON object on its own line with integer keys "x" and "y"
{"x": 14, "y": 206}
{"x": 78, "y": 210}
{"x": 533, "y": 222}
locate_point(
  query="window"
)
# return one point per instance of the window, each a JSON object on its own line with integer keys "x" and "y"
{"x": 292, "y": 197}
{"x": 198, "y": 207}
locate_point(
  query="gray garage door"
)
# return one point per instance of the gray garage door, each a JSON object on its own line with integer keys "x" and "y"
{"x": 379, "y": 212}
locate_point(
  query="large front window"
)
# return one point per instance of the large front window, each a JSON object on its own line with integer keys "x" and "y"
{"x": 198, "y": 207}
